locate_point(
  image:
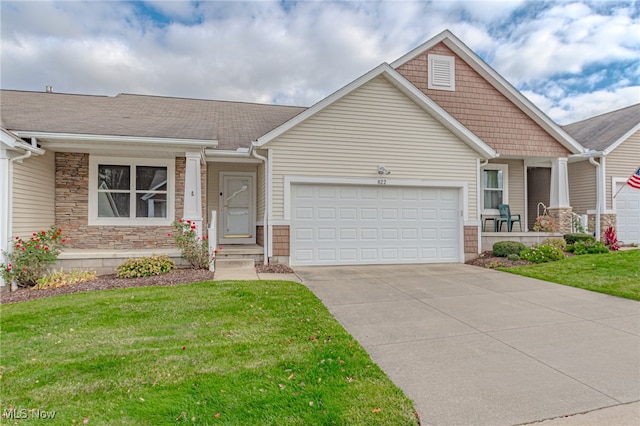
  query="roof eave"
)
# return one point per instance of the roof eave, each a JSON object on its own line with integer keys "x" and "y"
{"x": 623, "y": 138}
{"x": 71, "y": 139}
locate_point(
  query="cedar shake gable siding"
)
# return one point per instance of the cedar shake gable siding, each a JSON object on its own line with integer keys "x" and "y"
{"x": 481, "y": 108}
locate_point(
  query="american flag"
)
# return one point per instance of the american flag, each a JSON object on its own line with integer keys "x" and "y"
{"x": 634, "y": 180}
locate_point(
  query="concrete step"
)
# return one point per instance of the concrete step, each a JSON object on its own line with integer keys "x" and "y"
{"x": 234, "y": 263}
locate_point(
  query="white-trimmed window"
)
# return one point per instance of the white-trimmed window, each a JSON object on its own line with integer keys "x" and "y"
{"x": 442, "y": 72}
{"x": 129, "y": 191}
{"x": 495, "y": 181}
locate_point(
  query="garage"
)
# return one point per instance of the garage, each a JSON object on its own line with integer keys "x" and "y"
{"x": 627, "y": 204}
{"x": 374, "y": 224}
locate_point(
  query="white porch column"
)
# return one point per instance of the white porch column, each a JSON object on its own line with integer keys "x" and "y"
{"x": 5, "y": 206}
{"x": 192, "y": 209}
{"x": 559, "y": 183}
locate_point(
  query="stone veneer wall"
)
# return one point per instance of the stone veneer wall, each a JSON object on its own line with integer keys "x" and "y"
{"x": 72, "y": 210}
{"x": 606, "y": 220}
{"x": 562, "y": 217}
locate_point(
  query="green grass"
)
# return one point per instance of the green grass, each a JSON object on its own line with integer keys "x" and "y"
{"x": 615, "y": 273}
{"x": 227, "y": 353}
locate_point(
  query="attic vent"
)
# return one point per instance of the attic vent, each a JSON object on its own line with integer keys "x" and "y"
{"x": 442, "y": 72}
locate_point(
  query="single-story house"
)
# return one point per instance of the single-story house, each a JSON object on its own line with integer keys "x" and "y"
{"x": 406, "y": 164}
{"x": 597, "y": 182}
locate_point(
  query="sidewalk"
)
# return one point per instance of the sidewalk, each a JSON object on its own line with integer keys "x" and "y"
{"x": 251, "y": 274}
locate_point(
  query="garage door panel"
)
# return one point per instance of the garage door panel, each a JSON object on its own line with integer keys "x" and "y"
{"x": 627, "y": 204}
{"x": 374, "y": 225}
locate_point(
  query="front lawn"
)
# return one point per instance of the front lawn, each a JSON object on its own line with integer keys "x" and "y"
{"x": 616, "y": 273}
{"x": 231, "y": 352}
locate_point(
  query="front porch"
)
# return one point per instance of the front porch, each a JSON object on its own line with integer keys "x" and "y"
{"x": 488, "y": 239}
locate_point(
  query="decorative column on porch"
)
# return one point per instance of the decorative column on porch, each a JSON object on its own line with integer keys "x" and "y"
{"x": 559, "y": 207}
{"x": 5, "y": 205}
{"x": 192, "y": 209}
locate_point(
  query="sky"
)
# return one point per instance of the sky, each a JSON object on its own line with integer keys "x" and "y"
{"x": 573, "y": 59}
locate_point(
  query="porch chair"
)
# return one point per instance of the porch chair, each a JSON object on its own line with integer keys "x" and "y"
{"x": 508, "y": 218}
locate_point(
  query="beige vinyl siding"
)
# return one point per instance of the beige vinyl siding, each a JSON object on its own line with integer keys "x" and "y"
{"x": 373, "y": 125}
{"x": 33, "y": 194}
{"x": 621, "y": 163}
{"x": 515, "y": 185}
{"x": 582, "y": 186}
{"x": 213, "y": 182}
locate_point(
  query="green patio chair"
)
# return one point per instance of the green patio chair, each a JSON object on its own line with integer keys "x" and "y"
{"x": 508, "y": 218}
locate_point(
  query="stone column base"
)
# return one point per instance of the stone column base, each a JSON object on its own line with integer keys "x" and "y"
{"x": 606, "y": 220}
{"x": 562, "y": 216}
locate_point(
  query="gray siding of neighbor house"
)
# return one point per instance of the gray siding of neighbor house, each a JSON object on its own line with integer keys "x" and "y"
{"x": 621, "y": 163}
{"x": 582, "y": 186}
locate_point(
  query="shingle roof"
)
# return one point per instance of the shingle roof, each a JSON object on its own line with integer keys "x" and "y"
{"x": 601, "y": 131}
{"x": 232, "y": 124}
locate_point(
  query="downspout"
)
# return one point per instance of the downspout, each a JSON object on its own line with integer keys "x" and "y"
{"x": 481, "y": 164}
{"x": 598, "y": 195}
{"x": 267, "y": 194}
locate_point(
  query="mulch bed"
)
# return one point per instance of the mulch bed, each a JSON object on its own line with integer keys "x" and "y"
{"x": 107, "y": 282}
{"x": 488, "y": 260}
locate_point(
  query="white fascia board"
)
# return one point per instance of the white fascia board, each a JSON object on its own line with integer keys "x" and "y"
{"x": 9, "y": 139}
{"x": 437, "y": 112}
{"x": 140, "y": 141}
{"x": 229, "y": 156}
{"x": 320, "y": 105}
{"x": 498, "y": 82}
{"x": 623, "y": 138}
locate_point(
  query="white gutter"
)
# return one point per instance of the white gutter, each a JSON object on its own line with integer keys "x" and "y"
{"x": 267, "y": 204}
{"x": 142, "y": 140}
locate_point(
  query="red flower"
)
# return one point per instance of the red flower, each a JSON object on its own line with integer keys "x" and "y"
{"x": 169, "y": 234}
{"x": 24, "y": 268}
{"x": 180, "y": 221}
{"x": 46, "y": 248}
{"x": 193, "y": 227}
{"x": 37, "y": 246}
{"x": 43, "y": 233}
{"x": 34, "y": 234}
{"x": 17, "y": 238}
{"x": 64, "y": 241}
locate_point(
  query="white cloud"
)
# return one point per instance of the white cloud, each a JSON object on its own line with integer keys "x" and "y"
{"x": 260, "y": 51}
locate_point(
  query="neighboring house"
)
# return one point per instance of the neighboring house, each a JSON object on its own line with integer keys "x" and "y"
{"x": 598, "y": 186}
{"x": 400, "y": 166}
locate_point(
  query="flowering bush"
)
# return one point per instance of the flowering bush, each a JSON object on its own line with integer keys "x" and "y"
{"x": 29, "y": 259}
{"x": 545, "y": 223}
{"x": 193, "y": 249}
{"x": 588, "y": 247}
{"x": 610, "y": 239}
{"x": 542, "y": 254}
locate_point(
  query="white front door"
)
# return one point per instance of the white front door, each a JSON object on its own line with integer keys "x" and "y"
{"x": 237, "y": 201}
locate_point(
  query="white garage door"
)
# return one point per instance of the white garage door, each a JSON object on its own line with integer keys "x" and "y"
{"x": 351, "y": 225}
{"x": 628, "y": 215}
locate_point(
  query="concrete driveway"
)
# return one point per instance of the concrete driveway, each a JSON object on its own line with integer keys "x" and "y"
{"x": 476, "y": 346}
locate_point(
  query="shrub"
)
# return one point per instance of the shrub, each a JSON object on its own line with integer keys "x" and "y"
{"x": 561, "y": 243}
{"x": 493, "y": 264}
{"x": 513, "y": 257}
{"x": 505, "y": 248}
{"x": 542, "y": 254}
{"x": 589, "y": 247}
{"x": 29, "y": 259}
{"x": 145, "y": 267}
{"x": 572, "y": 238}
{"x": 61, "y": 279}
{"x": 193, "y": 249}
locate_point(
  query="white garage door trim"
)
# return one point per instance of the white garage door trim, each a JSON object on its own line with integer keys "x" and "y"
{"x": 628, "y": 220}
{"x": 406, "y": 244}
